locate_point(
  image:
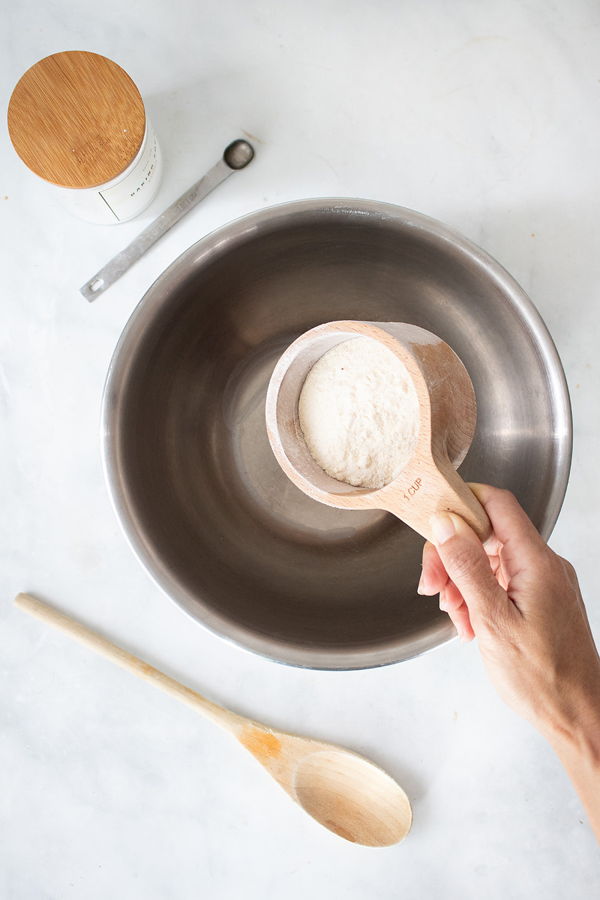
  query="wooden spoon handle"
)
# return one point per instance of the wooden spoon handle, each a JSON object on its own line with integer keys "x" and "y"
{"x": 433, "y": 489}
{"x": 228, "y": 720}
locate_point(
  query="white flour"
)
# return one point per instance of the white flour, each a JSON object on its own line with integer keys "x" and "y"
{"x": 359, "y": 413}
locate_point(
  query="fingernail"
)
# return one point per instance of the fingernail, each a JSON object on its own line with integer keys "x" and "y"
{"x": 442, "y": 528}
{"x": 421, "y": 584}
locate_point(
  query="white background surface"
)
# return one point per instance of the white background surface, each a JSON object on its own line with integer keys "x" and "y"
{"x": 484, "y": 115}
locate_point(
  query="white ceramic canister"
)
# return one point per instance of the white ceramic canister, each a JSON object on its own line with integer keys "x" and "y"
{"x": 78, "y": 121}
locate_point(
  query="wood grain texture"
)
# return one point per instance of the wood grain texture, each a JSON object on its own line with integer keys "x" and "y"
{"x": 429, "y": 483}
{"x": 76, "y": 119}
{"x": 343, "y": 791}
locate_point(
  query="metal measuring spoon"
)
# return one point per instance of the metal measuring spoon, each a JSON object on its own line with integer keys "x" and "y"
{"x": 237, "y": 155}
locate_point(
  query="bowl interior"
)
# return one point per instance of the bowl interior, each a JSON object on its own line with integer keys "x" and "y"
{"x": 195, "y": 482}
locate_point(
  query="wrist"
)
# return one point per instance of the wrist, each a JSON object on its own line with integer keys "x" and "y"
{"x": 576, "y": 742}
{"x": 573, "y": 726}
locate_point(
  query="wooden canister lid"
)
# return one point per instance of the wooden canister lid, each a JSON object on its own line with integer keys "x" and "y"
{"x": 76, "y": 119}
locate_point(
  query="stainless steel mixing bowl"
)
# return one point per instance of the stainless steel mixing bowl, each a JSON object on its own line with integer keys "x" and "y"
{"x": 193, "y": 479}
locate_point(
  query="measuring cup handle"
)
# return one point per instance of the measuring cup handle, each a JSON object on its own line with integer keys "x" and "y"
{"x": 456, "y": 496}
{"x": 436, "y": 488}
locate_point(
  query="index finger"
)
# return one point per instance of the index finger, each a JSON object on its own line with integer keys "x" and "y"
{"x": 434, "y": 576}
{"x": 521, "y": 542}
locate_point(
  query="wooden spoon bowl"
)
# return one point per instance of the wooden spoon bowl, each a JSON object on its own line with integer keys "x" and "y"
{"x": 429, "y": 483}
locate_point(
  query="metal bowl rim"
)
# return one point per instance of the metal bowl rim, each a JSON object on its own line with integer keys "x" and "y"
{"x": 158, "y": 294}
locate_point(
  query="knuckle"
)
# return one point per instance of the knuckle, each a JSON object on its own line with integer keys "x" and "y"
{"x": 544, "y": 560}
{"x": 570, "y": 572}
{"x": 556, "y": 565}
{"x": 449, "y": 604}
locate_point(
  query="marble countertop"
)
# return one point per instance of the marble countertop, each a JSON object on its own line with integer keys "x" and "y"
{"x": 482, "y": 115}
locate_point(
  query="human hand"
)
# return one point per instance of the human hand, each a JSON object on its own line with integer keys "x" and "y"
{"x": 522, "y": 602}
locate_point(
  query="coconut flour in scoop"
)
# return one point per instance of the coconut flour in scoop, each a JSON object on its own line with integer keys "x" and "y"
{"x": 359, "y": 413}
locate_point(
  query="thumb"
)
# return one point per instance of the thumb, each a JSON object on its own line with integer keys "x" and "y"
{"x": 468, "y": 567}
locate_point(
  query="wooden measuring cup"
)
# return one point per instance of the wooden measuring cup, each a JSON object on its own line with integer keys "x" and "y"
{"x": 429, "y": 483}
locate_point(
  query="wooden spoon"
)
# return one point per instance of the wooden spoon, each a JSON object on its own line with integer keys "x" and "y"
{"x": 429, "y": 483}
{"x": 345, "y": 792}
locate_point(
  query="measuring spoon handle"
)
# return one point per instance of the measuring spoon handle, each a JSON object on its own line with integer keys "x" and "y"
{"x": 123, "y": 261}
